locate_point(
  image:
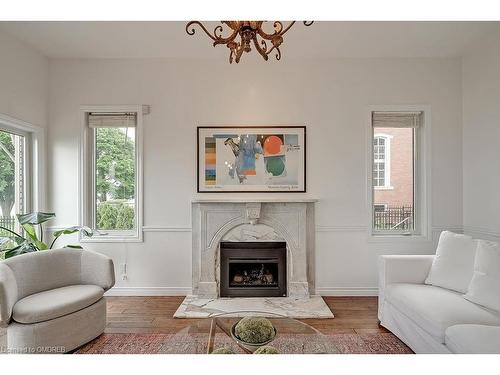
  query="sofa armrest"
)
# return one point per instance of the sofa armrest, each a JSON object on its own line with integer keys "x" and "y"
{"x": 8, "y": 294}
{"x": 401, "y": 269}
{"x": 97, "y": 269}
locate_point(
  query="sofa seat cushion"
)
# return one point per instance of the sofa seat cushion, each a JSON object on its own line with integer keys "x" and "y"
{"x": 473, "y": 339}
{"x": 434, "y": 309}
{"x": 54, "y": 303}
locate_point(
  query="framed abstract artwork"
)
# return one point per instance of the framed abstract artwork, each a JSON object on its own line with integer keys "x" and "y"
{"x": 251, "y": 159}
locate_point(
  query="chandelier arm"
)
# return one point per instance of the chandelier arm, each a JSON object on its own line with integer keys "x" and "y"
{"x": 278, "y": 54}
{"x": 239, "y": 52}
{"x": 278, "y": 27}
{"x": 288, "y": 27}
{"x": 192, "y": 30}
{"x": 261, "y": 50}
{"x": 230, "y": 24}
{"x": 307, "y": 23}
{"x": 271, "y": 50}
{"x": 278, "y": 30}
{"x": 264, "y": 44}
{"x": 230, "y": 38}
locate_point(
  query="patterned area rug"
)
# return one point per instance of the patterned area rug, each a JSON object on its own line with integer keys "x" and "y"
{"x": 115, "y": 343}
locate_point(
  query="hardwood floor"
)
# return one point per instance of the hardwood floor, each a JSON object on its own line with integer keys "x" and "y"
{"x": 155, "y": 315}
{"x": 354, "y": 315}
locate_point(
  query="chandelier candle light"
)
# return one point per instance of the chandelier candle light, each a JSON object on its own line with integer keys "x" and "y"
{"x": 249, "y": 32}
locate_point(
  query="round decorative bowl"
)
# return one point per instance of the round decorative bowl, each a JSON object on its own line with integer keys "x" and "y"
{"x": 247, "y": 345}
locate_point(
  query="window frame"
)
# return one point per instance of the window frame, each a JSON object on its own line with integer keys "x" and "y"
{"x": 422, "y": 177}
{"x": 87, "y": 177}
{"x": 34, "y": 159}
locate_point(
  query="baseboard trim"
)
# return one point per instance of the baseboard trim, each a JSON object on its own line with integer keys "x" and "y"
{"x": 184, "y": 291}
{"x": 143, "y": 291}
{"x": 347, "y": 291}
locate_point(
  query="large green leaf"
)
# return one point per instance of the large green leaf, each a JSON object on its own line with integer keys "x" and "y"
{"x": 86, "y": 231}
{"x": 73, "y": 247}
{"x": 17, "y": 236}
{"x": 31, "y": 232}
{"x": 4, "y": 240}
{"x": 35, "y": 218}
{"x": 26, "y": 247}
{"x": 8, "y": 243}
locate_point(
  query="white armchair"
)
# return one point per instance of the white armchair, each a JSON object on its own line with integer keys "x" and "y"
{"x": 52, "y": 301}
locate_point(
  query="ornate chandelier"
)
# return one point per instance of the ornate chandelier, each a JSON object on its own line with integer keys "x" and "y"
{"x": 248, "y": 32}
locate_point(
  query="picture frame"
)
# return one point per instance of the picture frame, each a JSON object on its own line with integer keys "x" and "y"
{"x": 257, "y": 159}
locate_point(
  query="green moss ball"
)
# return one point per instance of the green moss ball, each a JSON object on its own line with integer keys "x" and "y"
{"x": 223, "y": 351}
{"x": 266, "y": 350}
{"x": 254, "y": 330}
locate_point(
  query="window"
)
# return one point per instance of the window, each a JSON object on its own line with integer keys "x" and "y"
{"x": 381, "y": 161}
{"x": 13, "y": 187}
{"x": 112, "y": 206}
{"x": 393, "y": 188}
{"x": 21, "y": 171}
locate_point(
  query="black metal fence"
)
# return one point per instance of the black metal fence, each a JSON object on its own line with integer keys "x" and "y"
{"x": 8, "y": 222}
{"x": 394, "y": 218}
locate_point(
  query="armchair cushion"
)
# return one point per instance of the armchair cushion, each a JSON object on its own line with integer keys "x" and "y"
{"x": 54, "y": 303}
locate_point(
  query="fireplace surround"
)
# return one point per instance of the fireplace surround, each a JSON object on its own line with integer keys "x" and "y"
{"x": 217, "y": 222}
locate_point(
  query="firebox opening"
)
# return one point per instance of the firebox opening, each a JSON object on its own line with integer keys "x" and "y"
{"x": 253, "y": 274}
{"x": 253, "y": 269}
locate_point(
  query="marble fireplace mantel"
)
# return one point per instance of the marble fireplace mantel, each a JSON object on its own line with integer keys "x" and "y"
{"x": 253, "y": 219}
{"x": 254, "y": 200}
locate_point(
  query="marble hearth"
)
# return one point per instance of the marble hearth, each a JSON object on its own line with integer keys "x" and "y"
{"x": 299, "y": 308}
{"x": 243, "y": 220}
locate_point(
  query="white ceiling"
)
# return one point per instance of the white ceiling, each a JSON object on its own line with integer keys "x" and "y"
{"x": 322, "y": 39}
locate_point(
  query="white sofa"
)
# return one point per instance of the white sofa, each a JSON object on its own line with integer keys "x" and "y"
{"x": 431, "y": 319}
{"x": 52, "y": 301}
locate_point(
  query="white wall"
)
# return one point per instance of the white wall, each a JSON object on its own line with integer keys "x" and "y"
{"x": 481, "y": 139}
{"x": 23, "y": 81}
{"x": 331, "y": 97}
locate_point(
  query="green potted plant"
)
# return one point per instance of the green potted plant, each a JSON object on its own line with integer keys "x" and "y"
{"x": 31, "y": 238}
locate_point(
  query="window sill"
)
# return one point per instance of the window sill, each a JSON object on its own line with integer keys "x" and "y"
{"x": 383, "y": 187}
{"x": 112, "y": 239}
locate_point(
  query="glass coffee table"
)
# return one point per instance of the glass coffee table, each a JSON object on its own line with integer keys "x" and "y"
{"x": 214, "y": 332}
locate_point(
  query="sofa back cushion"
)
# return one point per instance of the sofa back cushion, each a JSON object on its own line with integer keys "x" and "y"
{"x": 44, "y": 270}
{"x": 484, "y": 288}
{"x": 453, "y": 264}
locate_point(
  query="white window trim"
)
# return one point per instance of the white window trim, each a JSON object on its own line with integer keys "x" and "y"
{"x": 86, "y": 176}
{"x": 35, "y": 156}
{"x": 387, "y": 162}
{"x": 423, "y": 185}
